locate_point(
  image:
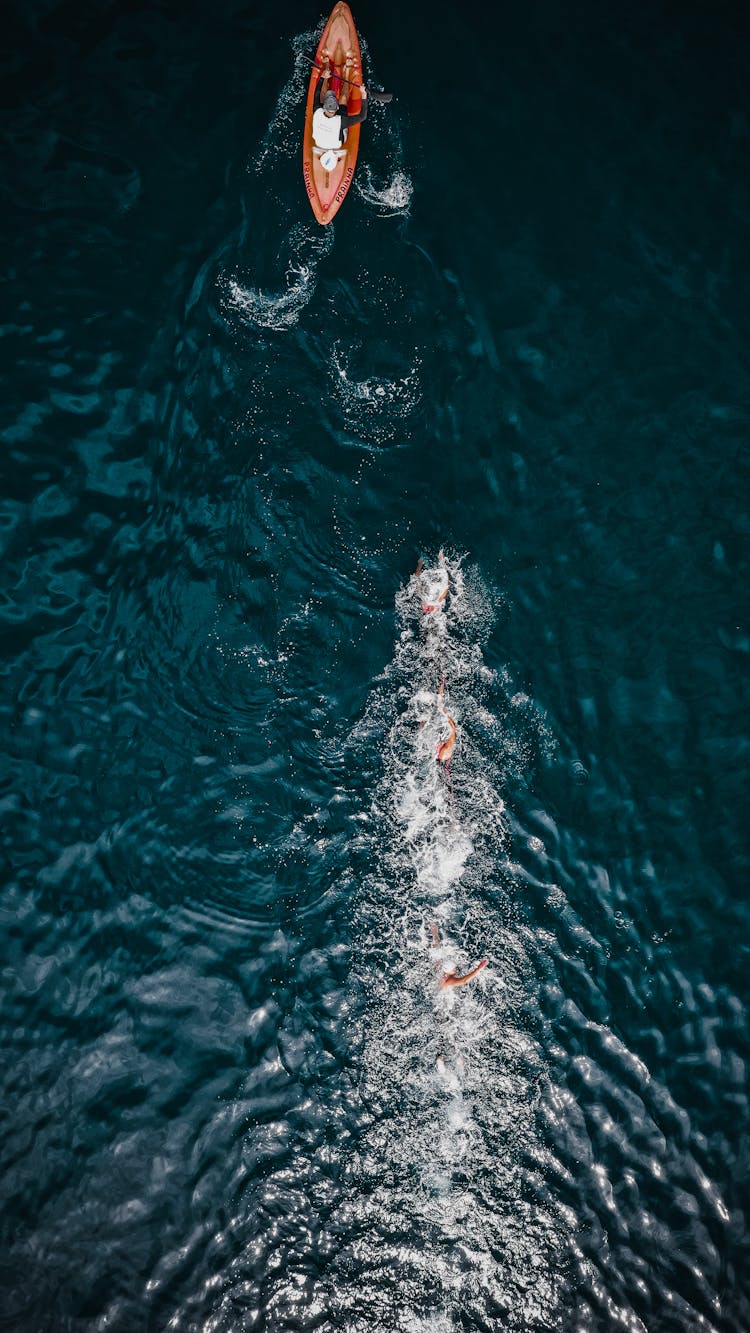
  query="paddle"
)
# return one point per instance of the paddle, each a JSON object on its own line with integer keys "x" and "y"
{"x": 371, "y": 92}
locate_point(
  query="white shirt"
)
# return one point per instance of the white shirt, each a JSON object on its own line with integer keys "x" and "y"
{"x": 326, "y": 130}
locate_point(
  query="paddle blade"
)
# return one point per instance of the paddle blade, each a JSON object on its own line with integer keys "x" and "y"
{"x": 379, "y": 97}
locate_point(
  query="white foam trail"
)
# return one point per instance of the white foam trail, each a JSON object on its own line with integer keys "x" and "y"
{"x": 282, "y": 139}
{"x": 387, "y": 189}
{"x": 455, "y": 1070}
{"x": 377, "y": 391}
{"x": 307, "y": 244}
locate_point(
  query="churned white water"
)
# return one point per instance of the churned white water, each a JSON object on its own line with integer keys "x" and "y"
{"x": 300, "y": 255}
{"x": 453, "y": 1072}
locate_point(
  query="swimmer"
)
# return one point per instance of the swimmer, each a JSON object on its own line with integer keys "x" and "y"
{"x": 445, "y": 748}
{"x": 436, "y": 591}
{"x": 449, "y": 976}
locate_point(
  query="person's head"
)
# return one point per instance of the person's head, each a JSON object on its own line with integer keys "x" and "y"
{"x": 330, "y": 103}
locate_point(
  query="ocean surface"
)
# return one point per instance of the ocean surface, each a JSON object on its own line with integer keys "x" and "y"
{"x": 233, "y": 1096}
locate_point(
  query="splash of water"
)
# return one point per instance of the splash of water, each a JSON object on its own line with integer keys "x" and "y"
{"x": 390, "y": 198}
{"x": 306, "y": 249}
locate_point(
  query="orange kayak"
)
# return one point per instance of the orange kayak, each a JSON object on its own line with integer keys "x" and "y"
{"x": 327, "y": 188}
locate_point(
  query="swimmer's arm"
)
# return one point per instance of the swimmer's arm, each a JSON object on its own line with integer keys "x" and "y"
{"x": 461, "y": 981}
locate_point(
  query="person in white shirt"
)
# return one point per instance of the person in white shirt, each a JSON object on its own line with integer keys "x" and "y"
{"x": 331, "y": 120}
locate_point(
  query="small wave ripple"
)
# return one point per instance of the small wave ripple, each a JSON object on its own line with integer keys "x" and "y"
{"x": 377, "y": 407}
{"x": 303, "y": 251}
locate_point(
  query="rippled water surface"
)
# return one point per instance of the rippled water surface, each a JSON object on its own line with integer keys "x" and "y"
{"x": 233, "y": 1096}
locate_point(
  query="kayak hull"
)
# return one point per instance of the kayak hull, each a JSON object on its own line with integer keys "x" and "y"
{"x": 327, "y": 190}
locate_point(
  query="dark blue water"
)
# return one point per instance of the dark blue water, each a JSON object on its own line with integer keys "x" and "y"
{"x": 232, "y": 1096}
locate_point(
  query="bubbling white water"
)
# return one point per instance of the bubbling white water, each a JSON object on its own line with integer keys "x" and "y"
{"x": 378, "y": 406}
{"x": 391, "y": 197}
{"x": 455, "y": 1071}
{"x": 302, "y": 252}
